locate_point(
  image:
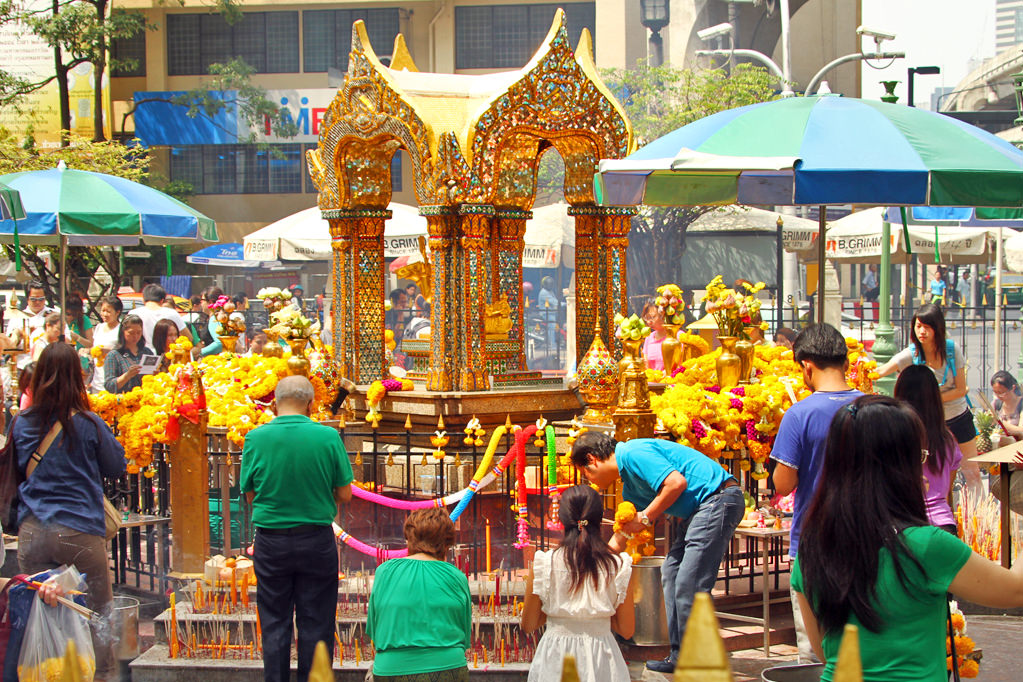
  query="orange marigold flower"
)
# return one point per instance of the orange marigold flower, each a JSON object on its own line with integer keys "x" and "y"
{"x": 969, "y": 668}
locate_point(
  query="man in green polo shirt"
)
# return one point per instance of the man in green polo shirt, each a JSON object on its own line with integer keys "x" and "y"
{"x": 295, "y": 473}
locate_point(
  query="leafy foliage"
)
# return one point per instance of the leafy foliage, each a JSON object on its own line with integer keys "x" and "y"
{"x": 658, "y": 100}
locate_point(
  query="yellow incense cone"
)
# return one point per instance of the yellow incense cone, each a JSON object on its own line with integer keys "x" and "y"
{"x": 702, "y": 657}
{"x": 849, "y": 667}
{"x": 320, "y": 670}
{"x": 568, "y": 670}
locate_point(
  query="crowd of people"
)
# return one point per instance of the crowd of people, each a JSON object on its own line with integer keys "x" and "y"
{"x": 873, "y": 537}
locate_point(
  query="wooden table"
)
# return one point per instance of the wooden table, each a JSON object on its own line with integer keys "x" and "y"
{"x": 1003, "y": 457}
{"x": 763, "y": 536}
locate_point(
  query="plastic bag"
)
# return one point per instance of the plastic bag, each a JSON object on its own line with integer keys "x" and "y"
{"x": 47, "y": 634}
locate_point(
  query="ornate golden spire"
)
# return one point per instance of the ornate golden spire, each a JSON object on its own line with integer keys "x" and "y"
{"x": 703, "y": 657}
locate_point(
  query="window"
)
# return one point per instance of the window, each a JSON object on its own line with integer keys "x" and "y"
{"x": 241, "y": 168}
{"x": 1018, "y": 26}
{"x": 327, "y": 35}
{"x": 129, "y": 49}
{"x": 506, "y": 36}
{"x": 267, "y": 41}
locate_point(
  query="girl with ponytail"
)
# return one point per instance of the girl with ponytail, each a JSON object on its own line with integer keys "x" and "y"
{"x": 581, "y": 590}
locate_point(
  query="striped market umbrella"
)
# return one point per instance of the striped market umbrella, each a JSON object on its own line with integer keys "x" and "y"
{"x": 820, "y": 150}
{"x": 81, "y": 208}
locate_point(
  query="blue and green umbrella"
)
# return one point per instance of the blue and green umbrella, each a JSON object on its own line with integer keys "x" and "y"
{"x": 65, "y": 207}
{"x": 10, "y": 204}
{"x": 821, "y": 150}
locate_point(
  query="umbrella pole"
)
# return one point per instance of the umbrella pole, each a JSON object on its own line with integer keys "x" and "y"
{"x": 822, "y": 224}
{"x": 63, "y": 283}
{"x": 998, "y": 301}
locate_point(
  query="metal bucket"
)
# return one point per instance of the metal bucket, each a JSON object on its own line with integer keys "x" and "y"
{"x": 810, "y": 672}
{"x": 125, "y": 626}
{"x": 651, "y": 624}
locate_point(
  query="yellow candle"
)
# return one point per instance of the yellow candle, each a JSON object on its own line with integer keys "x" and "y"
{"x": 502, "y": 652}
{"x": 475, "y": 660}
{"x": 259, "y": 630}
{"x": 358, "y": 654}
{"x": 174, "y": 626}
{"x": 488, "y": 545}
{"x": 234, "y": 587}
{"x": 245, "y": 589}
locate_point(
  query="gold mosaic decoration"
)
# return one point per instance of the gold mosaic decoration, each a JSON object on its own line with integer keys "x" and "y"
{"x": 474, "y": 160}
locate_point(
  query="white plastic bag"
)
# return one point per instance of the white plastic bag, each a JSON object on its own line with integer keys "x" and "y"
{"x": 47, "y": 634}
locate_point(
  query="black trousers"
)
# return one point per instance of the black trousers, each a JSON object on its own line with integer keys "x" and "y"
{"x": 297, "y": 576}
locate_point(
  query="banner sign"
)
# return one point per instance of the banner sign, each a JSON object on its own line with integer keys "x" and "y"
{"x": 159, "y": 122}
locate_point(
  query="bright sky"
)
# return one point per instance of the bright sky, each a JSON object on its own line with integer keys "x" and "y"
{"x": 943, "y": 33}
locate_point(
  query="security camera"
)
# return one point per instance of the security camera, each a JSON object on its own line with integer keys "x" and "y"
{"x": 878, "y": 36}
{"x": 714, "y": 31}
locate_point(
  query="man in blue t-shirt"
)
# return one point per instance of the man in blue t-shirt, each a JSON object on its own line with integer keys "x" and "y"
{"x": 799, "y": 447}
{"x": 663, "y": 478}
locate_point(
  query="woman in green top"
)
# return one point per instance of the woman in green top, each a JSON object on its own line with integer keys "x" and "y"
{"x": 867, "y": 556}
{"x": 420, "y": 609}
{"x": 79, "y": 323}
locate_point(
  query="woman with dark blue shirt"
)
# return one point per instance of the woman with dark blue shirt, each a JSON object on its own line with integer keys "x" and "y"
{"x": 61, "y": 512}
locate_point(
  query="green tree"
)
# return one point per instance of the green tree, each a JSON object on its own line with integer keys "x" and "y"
{"x": 658, "y": 100}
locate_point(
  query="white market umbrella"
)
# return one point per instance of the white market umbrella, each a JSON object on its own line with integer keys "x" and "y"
{"x": 305, "y": 236}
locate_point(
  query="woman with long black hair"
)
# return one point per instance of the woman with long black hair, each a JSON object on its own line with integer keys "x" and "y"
{"x": 918, "y": 387}
{"x": 122, "y": 363}
{"x": 65, "y": 452}
{"x": 582, "y": 590}
{"x": 932, "y": 348}
{"x": 868, "y": 556}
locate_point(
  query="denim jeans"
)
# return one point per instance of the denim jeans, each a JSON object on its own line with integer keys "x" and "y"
{"x": 695, "y": 556}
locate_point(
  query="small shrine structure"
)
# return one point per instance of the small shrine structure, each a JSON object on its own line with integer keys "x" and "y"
{"x": 474, "y": 142}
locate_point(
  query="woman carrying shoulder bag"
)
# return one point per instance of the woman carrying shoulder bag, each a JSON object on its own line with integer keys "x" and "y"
{"x": 61, "y": 513}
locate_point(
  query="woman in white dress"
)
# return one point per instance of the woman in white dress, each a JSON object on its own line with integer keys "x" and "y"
{"x": 581, "y": 590}
{"x": 104, "y": 335}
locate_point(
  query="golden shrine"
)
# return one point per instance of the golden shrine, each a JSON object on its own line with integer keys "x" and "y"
{"x": 474, "y": 142}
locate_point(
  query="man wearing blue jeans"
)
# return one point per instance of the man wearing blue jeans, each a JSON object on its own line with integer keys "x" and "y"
{"x": 664, "y": 478}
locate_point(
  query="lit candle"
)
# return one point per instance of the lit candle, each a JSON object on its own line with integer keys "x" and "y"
{"x": 234, "y": 587}
{"x": 502, "y": 652}
{"x": 245, "y": 589}
{"x": 488, "y": 545}
{"x": 475, "y": 660}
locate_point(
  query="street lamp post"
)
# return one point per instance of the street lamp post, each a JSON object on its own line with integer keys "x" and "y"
{"x": 913, "y": 71}
{"x": 654, "y": 15}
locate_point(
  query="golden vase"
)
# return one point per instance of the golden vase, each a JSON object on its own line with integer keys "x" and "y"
{"x": 633, "y": 391}
{"x": 744, "y": 349}
{"x": 671, "y": 349}
{"x": 297, "y": 363}
{"x": 598, "y": 381}
{"x": 229, "y": 341}
{"x": 729, "y": 364}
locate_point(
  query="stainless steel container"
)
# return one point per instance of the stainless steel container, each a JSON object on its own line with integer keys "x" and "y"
{"x": 651, "y": 625}
{"x": 810, "y": 672}
{"x": 125, "y": 625}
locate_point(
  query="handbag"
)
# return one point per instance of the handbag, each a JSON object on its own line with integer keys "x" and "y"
{"x": 111, "y": 517}
{"x": 10, "y": 478}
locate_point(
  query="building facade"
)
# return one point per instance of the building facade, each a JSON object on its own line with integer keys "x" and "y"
{"x": 299, "y": 53}
{"x": 1008, "y": 24}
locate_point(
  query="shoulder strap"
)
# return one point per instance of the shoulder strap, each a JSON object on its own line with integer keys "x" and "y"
{"x": 950, "y": 355}
{"x": 37, "y": 456}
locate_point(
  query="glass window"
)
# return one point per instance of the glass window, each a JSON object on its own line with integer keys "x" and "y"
{"x": 133, "y": 49}
{"x": 186, "y": 166}
{"x": 396, "y": 171}
{"x": 183, "y": 44}
{"x": 253, "y": 169}
{"x": 286, "y": 169}
{"x": 282, "y": 35}
{"x": 506, "y": 36}
{"x": 1018, "y": 27}
{"x": 267, "y": 41}
{"x": 326, "y": 35}
{"x": 219, "y": 169}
